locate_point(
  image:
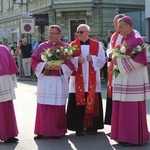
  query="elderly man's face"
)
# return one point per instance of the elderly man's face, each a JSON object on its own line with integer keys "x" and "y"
{"x": 82, "y": 33}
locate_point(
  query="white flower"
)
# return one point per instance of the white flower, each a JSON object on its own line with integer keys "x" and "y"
{"x": 139, "y": 48}
{"x": 66, "y": 50}
{"x": 133, "y": 52}
{"x": 123, "y": 49}
{"x": 57, "y": 50}
{"x": 43, "y": 58}
{"x": 71, "y": 52}
{"x": 49, "y": 54}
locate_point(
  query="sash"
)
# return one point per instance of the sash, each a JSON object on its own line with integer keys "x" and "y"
{"x": 79, "y": 83}
{"x": 110, "y": 68}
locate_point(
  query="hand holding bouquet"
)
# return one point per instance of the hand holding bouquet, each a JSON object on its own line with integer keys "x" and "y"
{"x": 124, "y": 51}
{"x": 55, "y": 57}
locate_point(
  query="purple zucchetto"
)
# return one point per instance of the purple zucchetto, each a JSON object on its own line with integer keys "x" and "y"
{"x": 56, "y": 26}
{"x": 127, "y": 19}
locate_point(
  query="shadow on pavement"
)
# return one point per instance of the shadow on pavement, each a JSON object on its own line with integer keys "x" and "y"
{"x": 90, "y": 142}
{"x": 53, "y": 144}
{"x": 73, "y": 142}
{"x": 8, "y": 146}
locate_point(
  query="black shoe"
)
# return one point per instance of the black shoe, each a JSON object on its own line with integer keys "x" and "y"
{"x": 37, "y": 137}
{"x": 91, "y": 131}
{"x": 12, "y": 140}
{"x": 80, "y": 133}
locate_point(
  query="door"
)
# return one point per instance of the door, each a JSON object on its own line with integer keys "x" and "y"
{"x": 73, "y": 25}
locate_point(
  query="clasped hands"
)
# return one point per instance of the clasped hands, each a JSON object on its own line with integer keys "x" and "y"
{"x": 47, "y": 67}
{"x": 81, "y": 59}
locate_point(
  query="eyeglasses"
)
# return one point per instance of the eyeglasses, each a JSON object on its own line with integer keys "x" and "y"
{"x": 81, "y": 32}
{"x": 53, "y": 33}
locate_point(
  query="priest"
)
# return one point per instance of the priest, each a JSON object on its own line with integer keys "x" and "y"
{"x": 85, "y": 110}
{"x": 130, "y": 90}
{"x": 8, "y": 70}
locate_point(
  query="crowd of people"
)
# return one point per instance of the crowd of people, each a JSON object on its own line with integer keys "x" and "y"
{"x": 127, "y": 91}
{"x": 22, "y": 56}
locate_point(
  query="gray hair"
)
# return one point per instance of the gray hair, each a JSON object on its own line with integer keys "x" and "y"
{"x": 119, "y": 16}
{"x": 84, "y": 25}
{"x": 24, "y": 39}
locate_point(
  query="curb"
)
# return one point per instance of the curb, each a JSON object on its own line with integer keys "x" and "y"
{"x": 27, "y": 79}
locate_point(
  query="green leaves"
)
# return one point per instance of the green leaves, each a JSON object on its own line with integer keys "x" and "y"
{"x": 115, "y": 71}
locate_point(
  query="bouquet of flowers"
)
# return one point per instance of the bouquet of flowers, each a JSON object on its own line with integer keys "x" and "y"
{"x": 55, "y": 57}
{"x": 124, "y": 51}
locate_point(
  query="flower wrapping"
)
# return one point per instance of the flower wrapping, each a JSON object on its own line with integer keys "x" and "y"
{"x": 124, "y": 51}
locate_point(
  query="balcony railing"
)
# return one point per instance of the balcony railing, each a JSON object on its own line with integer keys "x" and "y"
{"x": 98, "y": 1}
{"x": 71, "y": 1}
{"x": 124, "y": 1}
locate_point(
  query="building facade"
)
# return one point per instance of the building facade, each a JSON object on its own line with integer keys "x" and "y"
{"x": 147, "y": 17}
{"x": 98, "y": 14}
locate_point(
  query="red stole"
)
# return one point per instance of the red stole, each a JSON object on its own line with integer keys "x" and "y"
{"x": 110, "y": 68}
{"x": 79, "y": 84}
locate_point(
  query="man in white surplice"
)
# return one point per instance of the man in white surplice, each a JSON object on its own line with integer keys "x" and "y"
{"x": 85, "y": 103}
{"x": 52, "y": 89}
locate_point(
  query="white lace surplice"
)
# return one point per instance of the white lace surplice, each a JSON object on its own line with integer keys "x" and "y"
{"x": 52, "y": 90}
{"x": 7, "y": 85}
